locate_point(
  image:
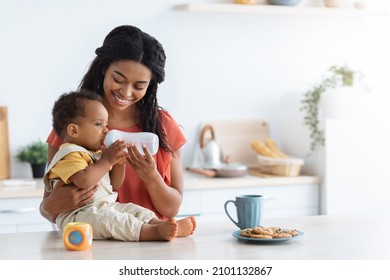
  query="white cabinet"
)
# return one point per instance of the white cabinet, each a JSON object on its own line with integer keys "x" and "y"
{"x": 203, "y": 197}
{"x": 280, "y": 200}
{"x": 22, "y": 215}
{"x": 356, "y": 168}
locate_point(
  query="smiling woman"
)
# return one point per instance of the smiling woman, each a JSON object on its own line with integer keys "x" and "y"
{"x": 126, "y": 72}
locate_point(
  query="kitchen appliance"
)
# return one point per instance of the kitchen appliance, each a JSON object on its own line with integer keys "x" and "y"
{"x": 213, "y": 162}
{"x": 212, "y": 152}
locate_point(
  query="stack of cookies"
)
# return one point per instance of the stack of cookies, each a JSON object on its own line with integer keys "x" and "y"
{"x": 268, "y": 232}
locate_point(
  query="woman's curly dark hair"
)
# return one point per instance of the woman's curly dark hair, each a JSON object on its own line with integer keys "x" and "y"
{"x": 70, "y": 106}
{"x": 129, "y": 42}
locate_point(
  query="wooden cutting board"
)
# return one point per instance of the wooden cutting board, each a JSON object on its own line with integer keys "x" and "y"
{"x": 235, "y": 136}
{"x": 5, "y": 169}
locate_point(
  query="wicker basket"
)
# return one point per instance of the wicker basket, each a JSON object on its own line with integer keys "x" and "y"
{"x": 280, "y": 166}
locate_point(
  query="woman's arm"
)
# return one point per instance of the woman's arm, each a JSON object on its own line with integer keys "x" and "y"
{"x": 166, "y": 199}
{"x": 64, "y": 198}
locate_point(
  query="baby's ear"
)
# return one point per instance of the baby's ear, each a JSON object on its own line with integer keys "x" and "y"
{"x": 72, "y": 130}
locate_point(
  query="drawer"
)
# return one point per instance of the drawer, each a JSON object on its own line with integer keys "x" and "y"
{"x": 275, "y": 197}
{"x": 191, "y": 203}
{"x": 8, "y": 229}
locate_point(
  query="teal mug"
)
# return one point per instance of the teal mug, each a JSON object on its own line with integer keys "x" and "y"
{"x": 249, "y": 210}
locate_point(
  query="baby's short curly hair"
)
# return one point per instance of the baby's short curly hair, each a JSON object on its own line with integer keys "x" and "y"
{"x": 69, "y": 106}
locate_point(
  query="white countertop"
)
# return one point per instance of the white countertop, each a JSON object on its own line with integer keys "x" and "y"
{"x": 19, "y": 188}
{"x": 196, "y": 181}
{"x": 326, "y": 238}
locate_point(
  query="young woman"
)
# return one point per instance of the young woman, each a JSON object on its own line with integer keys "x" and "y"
{"x": 126, "y": 72}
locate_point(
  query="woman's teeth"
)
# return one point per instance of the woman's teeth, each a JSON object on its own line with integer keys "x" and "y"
{"x": 121, "y": 101}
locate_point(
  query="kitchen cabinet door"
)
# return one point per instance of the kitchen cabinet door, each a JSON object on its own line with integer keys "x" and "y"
{"x": 357, "y": 165}
{"x": 22, "y": 215}
{"x": 279, "y": 201}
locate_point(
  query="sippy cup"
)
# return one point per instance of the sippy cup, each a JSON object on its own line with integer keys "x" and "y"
{"x": 137, "y": 138}
{"x": 77, "y": 236}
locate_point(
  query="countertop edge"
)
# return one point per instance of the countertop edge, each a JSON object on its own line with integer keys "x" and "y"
{"x": 191, "y": 182}
{"x": 199, "y": 182}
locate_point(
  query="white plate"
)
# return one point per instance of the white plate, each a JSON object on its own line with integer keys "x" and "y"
{"x": 237, "y": 235}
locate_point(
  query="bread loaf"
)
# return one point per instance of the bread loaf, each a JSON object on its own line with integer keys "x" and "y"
{"x": 267, "y": 148}
{"x": 262, "y": 149}
{"x": 270, "y": 143}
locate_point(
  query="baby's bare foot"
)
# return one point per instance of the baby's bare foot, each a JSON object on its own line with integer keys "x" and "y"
{"x": 167, "y": 230}
{"x": 159, "y": 230}
{"x": 186, "y": 226}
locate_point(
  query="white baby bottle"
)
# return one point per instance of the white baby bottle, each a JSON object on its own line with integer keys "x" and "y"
{"x": 137, "y": 138}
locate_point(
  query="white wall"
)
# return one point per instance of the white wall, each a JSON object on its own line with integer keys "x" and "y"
{"x": 220, "y": 66}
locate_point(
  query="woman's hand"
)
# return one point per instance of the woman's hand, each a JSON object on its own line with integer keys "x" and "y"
{"x": 143, "y": 165}
{"x": 64, "y": 198}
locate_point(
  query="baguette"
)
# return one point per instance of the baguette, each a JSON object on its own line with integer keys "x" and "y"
{"x": 270, "y": 143}
{"x": 262, "y": 149}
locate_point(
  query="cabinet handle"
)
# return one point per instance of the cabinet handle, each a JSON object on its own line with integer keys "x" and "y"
{"x": 16, "y": 211}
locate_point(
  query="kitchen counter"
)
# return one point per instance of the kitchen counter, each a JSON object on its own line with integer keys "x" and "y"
{"x": 21, "y": 188}
{"x": 34, "y": 187}
{"x": 196, "y": 181}
{"x": 326, "y": 238}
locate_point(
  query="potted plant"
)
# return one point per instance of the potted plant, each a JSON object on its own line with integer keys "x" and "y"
{"x": 34, "y": 153}
{"x": 337, "y": 77}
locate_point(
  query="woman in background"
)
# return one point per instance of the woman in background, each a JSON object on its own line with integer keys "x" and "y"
{"x": 126, "y": 72}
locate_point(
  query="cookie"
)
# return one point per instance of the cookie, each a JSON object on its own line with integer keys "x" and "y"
{"x": 282, "y": 235}
{"x": 292, "y": 232}
{"x": 262, "y": 231}
{"x": 246, "y": 232}
{"x": 262, "y": 236}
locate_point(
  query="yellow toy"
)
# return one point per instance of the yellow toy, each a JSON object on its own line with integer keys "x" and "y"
{"x": 77, "y": 236}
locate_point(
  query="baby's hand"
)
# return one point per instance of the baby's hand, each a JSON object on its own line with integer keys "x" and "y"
{"x": 116, "y": 153}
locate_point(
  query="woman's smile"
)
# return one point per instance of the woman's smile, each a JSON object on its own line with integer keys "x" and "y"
{"x": 120, "y": 101}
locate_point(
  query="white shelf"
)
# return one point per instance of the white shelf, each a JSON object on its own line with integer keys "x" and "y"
{"x": 276, "y": 10}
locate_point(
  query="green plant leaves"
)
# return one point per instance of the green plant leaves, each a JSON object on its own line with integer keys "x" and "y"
{"x": 337, "y": 76}
{"x": 36, "y": 152}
